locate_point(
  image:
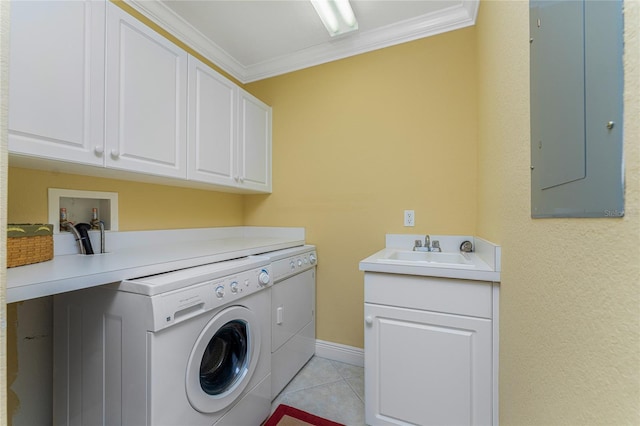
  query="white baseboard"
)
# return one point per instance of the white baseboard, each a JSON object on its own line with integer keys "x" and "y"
{"x": 341, "y": 353}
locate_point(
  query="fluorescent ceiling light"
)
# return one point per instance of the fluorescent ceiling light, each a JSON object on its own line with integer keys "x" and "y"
{"x": 345, "y": 11}
{"x": 336, "y": 15}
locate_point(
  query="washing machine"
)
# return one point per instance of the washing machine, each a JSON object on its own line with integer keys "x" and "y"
{"x": 190, "y": 347}
{"x": 293, "y": 306}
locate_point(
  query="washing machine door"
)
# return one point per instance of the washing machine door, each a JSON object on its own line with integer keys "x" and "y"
{"x": 223, "y": 359}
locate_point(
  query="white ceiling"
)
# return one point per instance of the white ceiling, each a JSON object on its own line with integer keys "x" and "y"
{"x": 256, "y": 39}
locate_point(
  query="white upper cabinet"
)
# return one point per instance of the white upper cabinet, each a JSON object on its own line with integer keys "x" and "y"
{"x": 146, "y": 101}
{"x": 56, "y": 90}
{"x": 93, "y": 87}
{"x": 213, "y": 105}
{"x": 229, "y": 133}
{"x": 254, "y": 144}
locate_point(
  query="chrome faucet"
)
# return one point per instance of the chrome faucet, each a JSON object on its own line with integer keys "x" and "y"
{"x": 417, "y": 246}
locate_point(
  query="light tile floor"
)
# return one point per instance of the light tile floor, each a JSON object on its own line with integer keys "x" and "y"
{"x": 329, "y": 389}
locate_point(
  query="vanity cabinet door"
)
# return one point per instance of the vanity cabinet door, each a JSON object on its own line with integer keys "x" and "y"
{"x": 56, "y": 86}
{"x": 426, "y": 368}
{"x": 146, "y": 99}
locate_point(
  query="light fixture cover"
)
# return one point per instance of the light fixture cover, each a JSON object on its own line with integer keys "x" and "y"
{"x": 336, "y": 15}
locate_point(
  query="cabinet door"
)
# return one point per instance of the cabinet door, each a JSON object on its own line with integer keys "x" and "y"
{"x": 146, "y": 99}
{"x": 212, "y": 125}
{"x": 254, "y": 144}
{"x": 56, "y": 88}
{"x": 426, "y": 368}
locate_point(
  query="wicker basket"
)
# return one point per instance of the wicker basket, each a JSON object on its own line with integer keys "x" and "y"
{"x": 29, "y": 243}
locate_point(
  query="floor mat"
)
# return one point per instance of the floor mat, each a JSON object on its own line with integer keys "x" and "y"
{"x": 285, "y": 415}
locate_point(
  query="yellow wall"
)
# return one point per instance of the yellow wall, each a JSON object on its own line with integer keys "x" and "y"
{"x": 357, "y": 141}
{"x": 141, "y": 206}
{"x": 569, "y": 301}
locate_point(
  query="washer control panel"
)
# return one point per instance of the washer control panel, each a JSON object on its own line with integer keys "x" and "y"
{"x": 293, "y": 265}
{"x": 178, "y": 305}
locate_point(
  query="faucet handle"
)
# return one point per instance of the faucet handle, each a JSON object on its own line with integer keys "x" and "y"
{"x": 435, "y": 246}
{"x": 417, "y": 243}
{"x": 466, "y": 247}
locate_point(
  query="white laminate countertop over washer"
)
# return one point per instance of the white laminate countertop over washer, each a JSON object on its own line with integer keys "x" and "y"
{"x": 140, "y": 253}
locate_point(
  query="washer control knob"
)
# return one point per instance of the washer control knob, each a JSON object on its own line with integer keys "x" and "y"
{"x": 292, "y": 264}
{"x": 299, "y": 263}
{"x": 263, "y": 277}
{"x": 233, "y": 287}
{"x": 313, "y": 259}
{"x": 220, "y": 292}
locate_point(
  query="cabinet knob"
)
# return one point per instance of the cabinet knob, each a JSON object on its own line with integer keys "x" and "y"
{"x": 99, "y": 150}
{"x": 368, "y": 319}
{"x": 610, "y": 125}
{"x": 115, "y": 153}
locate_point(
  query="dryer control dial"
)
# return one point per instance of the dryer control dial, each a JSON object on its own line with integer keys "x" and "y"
{"x": 299, "y": 263}
{"x": 313, "y": 259}
{"x": 233, "y": 287}
{"x": 220, "y": 291}
{"x": 263, "y": 277}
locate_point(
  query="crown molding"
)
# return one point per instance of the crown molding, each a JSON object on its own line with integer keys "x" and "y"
{"x": 174, "y": 24}
{"x": 450, "y": 19}
{"x": 459, "y": 16}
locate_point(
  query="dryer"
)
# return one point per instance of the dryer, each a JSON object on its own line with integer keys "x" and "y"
{"x": 293, "y": 319}
{"x": 190, "y": 347}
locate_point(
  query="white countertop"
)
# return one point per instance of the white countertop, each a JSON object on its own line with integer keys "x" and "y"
{"x": 484, "y": 262}
{"x": 141, "y": 253}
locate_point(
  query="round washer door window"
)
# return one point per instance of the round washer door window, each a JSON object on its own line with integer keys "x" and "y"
{"x": 223, "y": 359}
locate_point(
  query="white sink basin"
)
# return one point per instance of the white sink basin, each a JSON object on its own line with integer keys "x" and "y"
{"x": 427, "y": 258}
{"x": 483, "y": 264}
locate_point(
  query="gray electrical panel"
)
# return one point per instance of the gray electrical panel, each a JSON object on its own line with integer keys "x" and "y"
{"x": 576, "y": 108}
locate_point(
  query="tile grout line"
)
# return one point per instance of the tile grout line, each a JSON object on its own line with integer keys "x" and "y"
{"x": 311, "y": 387}
{"x": 354, "y": 391}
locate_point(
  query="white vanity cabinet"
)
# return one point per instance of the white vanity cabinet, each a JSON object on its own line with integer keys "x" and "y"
{"x": 429, "y": 350}
{"x": 146, "y": 99}
{"x": 56, "y": 88}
